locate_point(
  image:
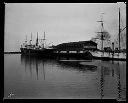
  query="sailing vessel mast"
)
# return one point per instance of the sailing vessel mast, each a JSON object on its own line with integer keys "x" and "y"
{"x": 44, "y": 40}
{"x": 37, "y": 40}
{"x": 31, "y": 40}
{"x": 102, "y": 31}
{"x": 26, "y": 39}
{"x": 119, "y": 29}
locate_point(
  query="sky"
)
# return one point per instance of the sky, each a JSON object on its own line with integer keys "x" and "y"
{"x": 61, "y": 22}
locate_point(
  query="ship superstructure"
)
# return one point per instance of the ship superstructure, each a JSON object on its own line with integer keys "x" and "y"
{"x": 38, "y": 49}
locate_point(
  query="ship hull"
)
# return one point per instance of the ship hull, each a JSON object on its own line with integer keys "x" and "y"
{"x": 26, "y": 51}
{"x": 52, "y": 53}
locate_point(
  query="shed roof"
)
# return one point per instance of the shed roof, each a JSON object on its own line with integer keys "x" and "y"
{"x": 79, "y": 42}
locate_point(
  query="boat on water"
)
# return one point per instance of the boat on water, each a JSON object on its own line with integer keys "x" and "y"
{"x": 36, "y": 49}
{"x": 112, "y": 54}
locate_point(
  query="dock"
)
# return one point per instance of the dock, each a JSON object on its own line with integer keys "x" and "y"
{"x": 12, "y": 52}
{"x": 109, "y": 56}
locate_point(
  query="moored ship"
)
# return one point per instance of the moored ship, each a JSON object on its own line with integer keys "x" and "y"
{"x": 110, "y": 53}
{"x": 36, "y": 49}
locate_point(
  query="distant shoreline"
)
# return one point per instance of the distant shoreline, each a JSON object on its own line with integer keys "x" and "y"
{"x": 12, "y": 52}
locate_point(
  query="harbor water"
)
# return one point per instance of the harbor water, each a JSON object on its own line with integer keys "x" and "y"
{"x": 27, "y": 77}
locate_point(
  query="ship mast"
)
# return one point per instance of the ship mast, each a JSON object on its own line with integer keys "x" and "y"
{"x": 44, "y": 40}
{"x": 102, "y": 31}
{"x": 119, "y": 29}
{"x": 26, "y": 40}
{"x": 37, "y": 40}
{"x": 31, "y": 39}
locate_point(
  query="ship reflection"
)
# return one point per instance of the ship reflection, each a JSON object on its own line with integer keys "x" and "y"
{"x": 113, "y": 72}
{"x": 33, "y": 62}
{"x": 106, "y": 71}
{"x": 77, "y": 66}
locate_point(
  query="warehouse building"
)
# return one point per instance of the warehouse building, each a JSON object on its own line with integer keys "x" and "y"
{"x": 78, "y": 47}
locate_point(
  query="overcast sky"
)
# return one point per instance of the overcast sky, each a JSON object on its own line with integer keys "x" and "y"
{"x": 62, "y": 22}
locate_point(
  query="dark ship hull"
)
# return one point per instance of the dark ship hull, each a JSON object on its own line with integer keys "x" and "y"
{"x": 40, "y": 52}
{"x": 52, "y": 53}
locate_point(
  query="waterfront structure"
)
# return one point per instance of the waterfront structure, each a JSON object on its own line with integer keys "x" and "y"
{"x": 78, "y": 47}
{"x": 71, "y": 49}
{"x": 87, "y": 49}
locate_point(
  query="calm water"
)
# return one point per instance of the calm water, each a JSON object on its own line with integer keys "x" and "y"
{"x": 34, "y": 77}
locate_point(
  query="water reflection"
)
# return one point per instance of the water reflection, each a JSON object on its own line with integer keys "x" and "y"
{"x": 77, "y": 66}
{"x": 119, "y": 85}
{"x": 43, "y": 71}
{"x": 110, "y": 75}
{"x": 102, "y": 82}
{"x": 33, "y": 62}
{"x": 113, "y": 71}
{"x": 70, "y": 65}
